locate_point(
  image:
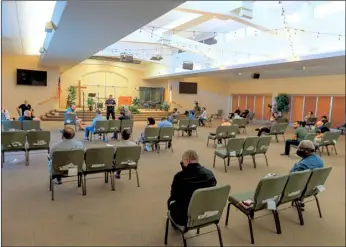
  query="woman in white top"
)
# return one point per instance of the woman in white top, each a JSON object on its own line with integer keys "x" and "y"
{"x": 203, "y": 117}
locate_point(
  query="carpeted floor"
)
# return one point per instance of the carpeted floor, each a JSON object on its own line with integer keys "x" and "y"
{"x": 132, "y": 216}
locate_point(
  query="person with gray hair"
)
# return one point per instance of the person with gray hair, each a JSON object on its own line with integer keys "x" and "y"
{"x": 193, "y": 176}
{"x": 310, "y": 160}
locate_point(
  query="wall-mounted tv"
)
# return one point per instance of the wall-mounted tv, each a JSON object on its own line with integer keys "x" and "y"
{"x": 31, "y": 77}
{"x": 188, "y": 87}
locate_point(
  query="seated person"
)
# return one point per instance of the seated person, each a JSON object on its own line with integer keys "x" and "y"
{"x": 225, "y": 122}
{"x": 6, "y": 115}
{"x": 273, "y": 119}
{"x": 91, "y": 128}
{"x": 27, "y": 116}
{"x": 232, "y": 113}
{"x": 122, "y": 116}
{"x": 324, "y": 119}
{"x": 203, "y": 117}
{"x": 72, "y": 110}
{"x": 67, "y": 143}
{"x": 150, "y": 124}
{"x": 174, "y": 115}
{"x": 191, "y": 116}
{"x": 245, "y": 113}
{"x": 306, "y": 150}
{"x": 193, "y": 176}
{"x": 320, "y": 130}
{"x": 310, "y": 115}
{"x": 299, "y": 135}
{"x": 125, "y": 141}
{"x": 164, "y": 123}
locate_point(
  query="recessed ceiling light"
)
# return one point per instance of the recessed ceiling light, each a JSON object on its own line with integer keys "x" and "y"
{"x": 239, "y": 73}
{"x": 303, "y": 68}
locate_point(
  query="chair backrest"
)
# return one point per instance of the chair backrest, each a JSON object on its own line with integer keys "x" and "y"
{"x": 70, "y": 118}
{"x": 126, "y": 156}
{"x": 317, "y": 178}
{"x": 330, "y": 137}
{"x": 184, "y": 123}
{"x": 166, "y": 133}
{"x": 13, "y": 140}
{"x": 206, "y": 205}
{"x": 99, "y": 158}
{"x": 38, "y": 139}
{"x": 31, "y": 125}
{"x": 193, "y": 123}
{"x": 114, "y": 125}
{"x": 328, "y": 125}
{"x": 241, "y": 122}
{"x": 11, "y": 125}
{"x": 269, "y": 189}
{"x": 263, "y": 144}
{"x": 64, "y": 160}
{"x": 232, "y": 130}
{"x": 219, "y": 112}
{"x": 221, "y": 131}
{"x": 310, "y": 136}
{"x": 295, "y": 185}
{"x": 281, "y": 120}
{"x": 278, "y": 128}
{"x": 250, "y": 145}
{"x": 151, "y": 133}
{"x": 311, "y": 120}
{"x": 235, "y": 146}
{"x": 101, "y": 126}
{"x": 250, "y": 116}
{"x": 127, "y": 124}
{"x": 3, "y": 116}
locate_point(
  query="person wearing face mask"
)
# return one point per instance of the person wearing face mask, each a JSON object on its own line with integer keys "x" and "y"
{"x": 310, "y": 160}
{"x": 193, "y": 176}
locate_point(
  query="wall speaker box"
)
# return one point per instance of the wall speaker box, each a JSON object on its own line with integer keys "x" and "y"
{"x": 256, "y": 76}
{"x": 188, "y": 65}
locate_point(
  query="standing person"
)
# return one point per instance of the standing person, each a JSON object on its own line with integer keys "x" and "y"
{"x": 203, "y": 117}
{"x": 299, "y": 135}
{"x": 110, "y": 104}
{"x": 91, "y": 128}
{"x": 197, "y": 109}
{"x": 23, "y": 107}
{"x": 193, "y": 176}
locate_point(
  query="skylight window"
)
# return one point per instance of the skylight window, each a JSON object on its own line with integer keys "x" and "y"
{"x": 329, "y": 8}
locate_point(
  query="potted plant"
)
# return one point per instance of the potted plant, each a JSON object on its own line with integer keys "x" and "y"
{"x": 72, "y": 96}
{"x": 164, "y": 106}
{"x": 134, "y": 109}
{"x": 283, "y": 104}
{"x": 90, "y": 102}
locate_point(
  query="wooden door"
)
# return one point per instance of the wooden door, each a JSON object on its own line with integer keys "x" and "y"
{"x": 323, "y": 106}
{"x": 296, "y": 108}
{"x": 338, "y": 111}
{"x": 258, "y": 107}
{"x": 310, "y": 104}
{"x": 234, "y": 102}
{"x": 250, "y": 102}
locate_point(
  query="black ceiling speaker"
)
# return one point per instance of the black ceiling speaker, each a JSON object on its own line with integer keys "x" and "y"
{"x": 256, "y": 76}
{"x": 188, "y": 65}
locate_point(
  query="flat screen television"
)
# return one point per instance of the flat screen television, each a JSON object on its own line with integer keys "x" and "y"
{"x": 31, "y": 77}
{"x": 188, "y": 87}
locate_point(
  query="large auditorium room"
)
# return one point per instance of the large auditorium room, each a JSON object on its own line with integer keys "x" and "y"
{"x": 173, "y": 123}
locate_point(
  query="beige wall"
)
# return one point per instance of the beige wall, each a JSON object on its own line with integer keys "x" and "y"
{"x": 13, "y": 95}
{"x": 154, "y": 69}
{"x": 328, "y": 85}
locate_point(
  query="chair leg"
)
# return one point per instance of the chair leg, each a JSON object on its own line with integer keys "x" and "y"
{"x": 299, "y": 210}
{"x": 335, "y": 149}
{"x": 50, "y": 183}
{"x": 277, "y": 221}
{"x": 198, "y": 231}
{"x": 227, "y": 215}
{"x": 207, "y": 142}
{"x": 253, "y": 161}
{"x": 26, "y": 158}
{"x": 318, "y": 206}
{"x": 251, "y": 230}
{"x": 130, "y": 173}
{"x": 228, "y": 160}
{"x": 284, "y": 137}
{"x": 52, "y": 187}
{"x": 2, "y": 159}
{"x": 79, "y": 182}
{"x": 219, "y": 234}
{"x": 112, "y": 181}
{"x": 137, "y": 177}
{"x": 166, "y": 232}
{"x": 276, "y": 138}
{"x": 84, "y": 190}
{"x": 106, "y": 177}
{"x": 214, "y": 161}
{"x": 184, "y": 240}
{"x": 328, "y": 151}
{"x": 224, "y": 163}
{"x": 240, "y": 163}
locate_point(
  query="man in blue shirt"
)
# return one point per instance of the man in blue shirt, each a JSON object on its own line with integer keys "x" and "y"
{"x": 27, "y": 116}
{"x": 91, "y": 128}
{"x": 72, "y": 110}
{"x": 164, "y": 123}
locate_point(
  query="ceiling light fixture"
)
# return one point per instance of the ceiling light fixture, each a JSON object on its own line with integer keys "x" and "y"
{"x": 42, "y": 50}
{"x": 50, "y": 26}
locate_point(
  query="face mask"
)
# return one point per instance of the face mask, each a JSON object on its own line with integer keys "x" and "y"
{"x": 301, "y": 153}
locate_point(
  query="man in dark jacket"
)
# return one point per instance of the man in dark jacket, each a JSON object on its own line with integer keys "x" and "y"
{"x": 193, "y": 176}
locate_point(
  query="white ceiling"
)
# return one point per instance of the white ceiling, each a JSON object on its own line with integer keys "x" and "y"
{"x": 239, "y": 40}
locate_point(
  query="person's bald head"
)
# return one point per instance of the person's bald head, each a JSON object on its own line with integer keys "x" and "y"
{"x": 190, "y": 156}
{"x": 68, "y": 133}
{"x": 319, "y": 124}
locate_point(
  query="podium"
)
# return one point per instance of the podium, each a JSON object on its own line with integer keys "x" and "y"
{"x": 124, "y": 100}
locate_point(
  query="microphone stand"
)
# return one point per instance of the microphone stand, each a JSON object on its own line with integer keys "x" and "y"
{"x": 83, "y": 107}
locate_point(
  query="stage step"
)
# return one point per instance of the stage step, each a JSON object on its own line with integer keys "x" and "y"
{"x": 58, "y": 115}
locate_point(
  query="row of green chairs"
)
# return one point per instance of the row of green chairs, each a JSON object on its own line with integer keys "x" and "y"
{"x": 24, "y": 141}
{"x": 223, "y": 133}
{"x": 105, "y": 127}
{"x": 273, "y": 191}
{"x": 26, "y": 125}
{"x": 206, "y": 205}
{"x": 241, "y": 147}
{"x": 241, "y": 123}
{"x": 154, "y": 136}
{"x": 278, "y": 129}
{"x": 187, "y": 125}
{"x": 105, "y": 160}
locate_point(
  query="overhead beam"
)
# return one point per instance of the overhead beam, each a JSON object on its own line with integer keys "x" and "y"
{"x": 189, "y": 24}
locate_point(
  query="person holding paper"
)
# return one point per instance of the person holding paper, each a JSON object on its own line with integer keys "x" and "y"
{"x": 67, "y": 143}
{"x": 193, "y": 176}
{"x": 110, "y": 103}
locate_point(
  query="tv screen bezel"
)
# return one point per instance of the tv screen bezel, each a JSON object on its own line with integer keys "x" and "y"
{"x": 187, "y": 82}
{"x": 30, "y": 70}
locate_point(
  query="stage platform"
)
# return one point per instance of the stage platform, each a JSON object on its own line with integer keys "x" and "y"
{"x": 58, "y": 115}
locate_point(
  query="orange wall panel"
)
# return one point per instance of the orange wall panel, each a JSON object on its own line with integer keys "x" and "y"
{"x": 267, "y": 111}
{"x": 242, "y": 102}
{"x": 250, "y": 102}
{"x": 323, "y": 106}
{"x": 258, "y": 107}
{"x": 338, "y": 111}
{"x": 234, "y": 102}
{"x": 310, "y": 104}
{"x": 297, "y": 107}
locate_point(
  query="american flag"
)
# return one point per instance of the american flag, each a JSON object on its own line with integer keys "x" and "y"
{"x": 59, "y": 89}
